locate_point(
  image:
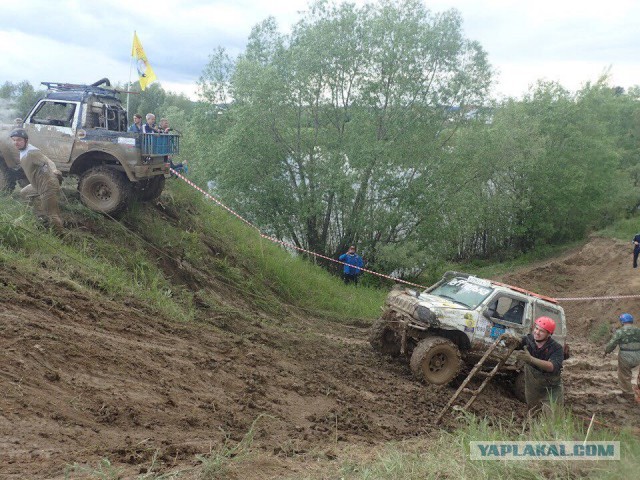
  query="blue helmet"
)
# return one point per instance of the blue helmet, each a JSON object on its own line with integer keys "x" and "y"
{"x": 626, "y": 318}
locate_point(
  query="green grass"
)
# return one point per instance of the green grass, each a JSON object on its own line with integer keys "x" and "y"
{"x": 624, "y": 229}
{"x": 125, "y": 260}
{"x": 600, "y": 332}
{"x": 447, "y": 455}
{"x": 273, "y": 270}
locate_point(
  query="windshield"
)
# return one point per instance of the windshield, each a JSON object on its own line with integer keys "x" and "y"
{"x": 463, "y": 291}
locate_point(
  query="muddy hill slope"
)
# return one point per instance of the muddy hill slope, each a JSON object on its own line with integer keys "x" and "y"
{"x": 215, "y": 355}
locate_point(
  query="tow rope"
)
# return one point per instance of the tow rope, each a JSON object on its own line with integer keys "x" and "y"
{"x": 283, "y": 243}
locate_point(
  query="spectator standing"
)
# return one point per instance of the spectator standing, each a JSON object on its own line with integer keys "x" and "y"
{"x": 353, "y": 264}
{"x": 636, "y": 250}
{"x": 136, "y": 127}
{"x": 150, "y": 126}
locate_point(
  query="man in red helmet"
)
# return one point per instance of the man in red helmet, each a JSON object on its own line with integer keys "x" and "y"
{"x": 543, "y": 358}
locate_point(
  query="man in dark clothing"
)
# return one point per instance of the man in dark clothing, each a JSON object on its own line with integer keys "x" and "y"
{"x": 543, "y": 358}
{"x": 150, "y": 126}
{"x": 137, "y": 124}
{"x": 353, "y": 263}
{"x": 636, "y": 250}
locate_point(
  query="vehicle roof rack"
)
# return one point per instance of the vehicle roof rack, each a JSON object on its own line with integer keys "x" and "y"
{"x": 93, "y": 88}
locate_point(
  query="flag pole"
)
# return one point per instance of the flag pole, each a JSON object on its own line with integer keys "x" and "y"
{"x": 129, "y": 87}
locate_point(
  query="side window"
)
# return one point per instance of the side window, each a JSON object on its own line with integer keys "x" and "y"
{"x": 507, "y": 309}
{"x": 544, "y": 310}
{"x": 59, "y": 114}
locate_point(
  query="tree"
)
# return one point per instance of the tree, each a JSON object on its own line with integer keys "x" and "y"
{"x": 338, "y": 133}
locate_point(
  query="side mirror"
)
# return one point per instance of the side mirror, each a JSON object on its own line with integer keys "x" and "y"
{"x": 486, "y": 313}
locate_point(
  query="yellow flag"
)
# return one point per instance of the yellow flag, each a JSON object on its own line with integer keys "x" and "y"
{"x": 145, "y": 72}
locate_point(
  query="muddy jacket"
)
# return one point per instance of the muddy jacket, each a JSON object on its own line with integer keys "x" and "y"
{"x": 37, "y": 166}
{"x": 551, "y": 351}
{"x": 627, "y": 338}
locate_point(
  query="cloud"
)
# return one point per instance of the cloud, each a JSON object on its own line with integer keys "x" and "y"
{"x": 79, "y": 41}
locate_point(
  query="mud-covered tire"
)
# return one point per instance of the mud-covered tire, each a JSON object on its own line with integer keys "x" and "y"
{"x": 383, "y": 339}
{"x": 105, "y": 190}
{"x": 518, "y": 387}
{"x": 7, "y": 179}
{"x": 436, "y": 360}
{"x": 147, "y": 190}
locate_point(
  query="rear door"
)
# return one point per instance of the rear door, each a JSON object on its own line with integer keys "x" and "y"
{"x": 52, "y": 127}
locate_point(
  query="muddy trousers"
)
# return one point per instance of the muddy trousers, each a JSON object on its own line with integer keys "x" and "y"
{"x": 627, "y": 361}
{"x": 540, "y": 390}
{"x": 45, "y": 201}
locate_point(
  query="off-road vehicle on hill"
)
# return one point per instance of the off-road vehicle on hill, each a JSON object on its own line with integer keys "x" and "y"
{"x": 455, "y": 321}
{"x": 83, "y": 130}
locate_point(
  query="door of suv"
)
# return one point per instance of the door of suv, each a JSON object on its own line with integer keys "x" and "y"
{"x": 51, "y": 127}
{"x": 504, "y": 312}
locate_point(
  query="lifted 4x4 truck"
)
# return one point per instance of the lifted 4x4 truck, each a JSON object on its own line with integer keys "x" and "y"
{"x": 83, "y": 130}
{"x": 455, "y": 321}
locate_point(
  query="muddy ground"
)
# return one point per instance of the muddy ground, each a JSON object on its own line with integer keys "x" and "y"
{"x": 84, "y": 378}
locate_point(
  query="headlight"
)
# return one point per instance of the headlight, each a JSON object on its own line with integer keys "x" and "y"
{"x": 424, "y": 314}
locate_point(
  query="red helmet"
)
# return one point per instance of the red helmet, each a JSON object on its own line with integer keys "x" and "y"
{"x": 547, "y": 323}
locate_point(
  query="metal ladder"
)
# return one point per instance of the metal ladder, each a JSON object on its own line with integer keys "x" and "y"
{"x": 512, "y": 343}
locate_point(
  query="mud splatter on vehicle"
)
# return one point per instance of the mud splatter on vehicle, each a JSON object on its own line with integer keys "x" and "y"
{"x": 455, "y": 321}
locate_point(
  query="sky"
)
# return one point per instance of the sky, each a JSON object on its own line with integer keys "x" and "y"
{"x": 74, "y": 41}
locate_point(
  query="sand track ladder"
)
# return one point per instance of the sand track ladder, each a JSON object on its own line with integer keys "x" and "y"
{"x": 511, "y": 343}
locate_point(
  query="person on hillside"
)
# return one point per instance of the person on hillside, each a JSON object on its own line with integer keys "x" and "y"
{"x": 543, "y": 358}
{"x": 44, "y": 181}
{"x": 353, "y": 264}
{"x": 150, "y": 126}
{"x": 136, "y": 127}
{"x": 627, "y": 339}
{"x": 164, "y": 127}
{"x": 636, "y": 250}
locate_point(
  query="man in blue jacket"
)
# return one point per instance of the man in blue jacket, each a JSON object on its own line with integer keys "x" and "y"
{"x": 353, "y": 262}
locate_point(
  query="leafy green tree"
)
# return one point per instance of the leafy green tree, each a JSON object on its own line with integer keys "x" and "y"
{"x": 338, "y": 133}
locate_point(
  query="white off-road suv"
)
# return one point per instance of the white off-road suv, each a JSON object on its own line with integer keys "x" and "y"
{"x": 455, "y": 321}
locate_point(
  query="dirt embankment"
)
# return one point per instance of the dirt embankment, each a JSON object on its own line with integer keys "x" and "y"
{"x": 83, "y": 377}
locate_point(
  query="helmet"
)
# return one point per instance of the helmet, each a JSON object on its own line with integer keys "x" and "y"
{"x": 547, "y": 323}
{"x": 626, "y": 318}
{"x": 19, "y": 132}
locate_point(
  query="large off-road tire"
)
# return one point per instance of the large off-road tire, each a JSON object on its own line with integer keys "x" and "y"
{"x": 147, "y": 190}
{"x": 383, "y": 339}
{"x": 105, "y": 190}
{"x": 7, "y": 179}
{"x": 436, "y": 360}
{"x": 518, "y": 387}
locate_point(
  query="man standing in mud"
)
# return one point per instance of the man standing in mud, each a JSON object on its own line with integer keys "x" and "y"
{"x": 543, "y": 358}
{"x": 627, "y": 338}
{"x": 44, "y": 180}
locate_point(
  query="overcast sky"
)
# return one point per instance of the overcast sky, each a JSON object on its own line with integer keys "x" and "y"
{"x": 78, "y": 41}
